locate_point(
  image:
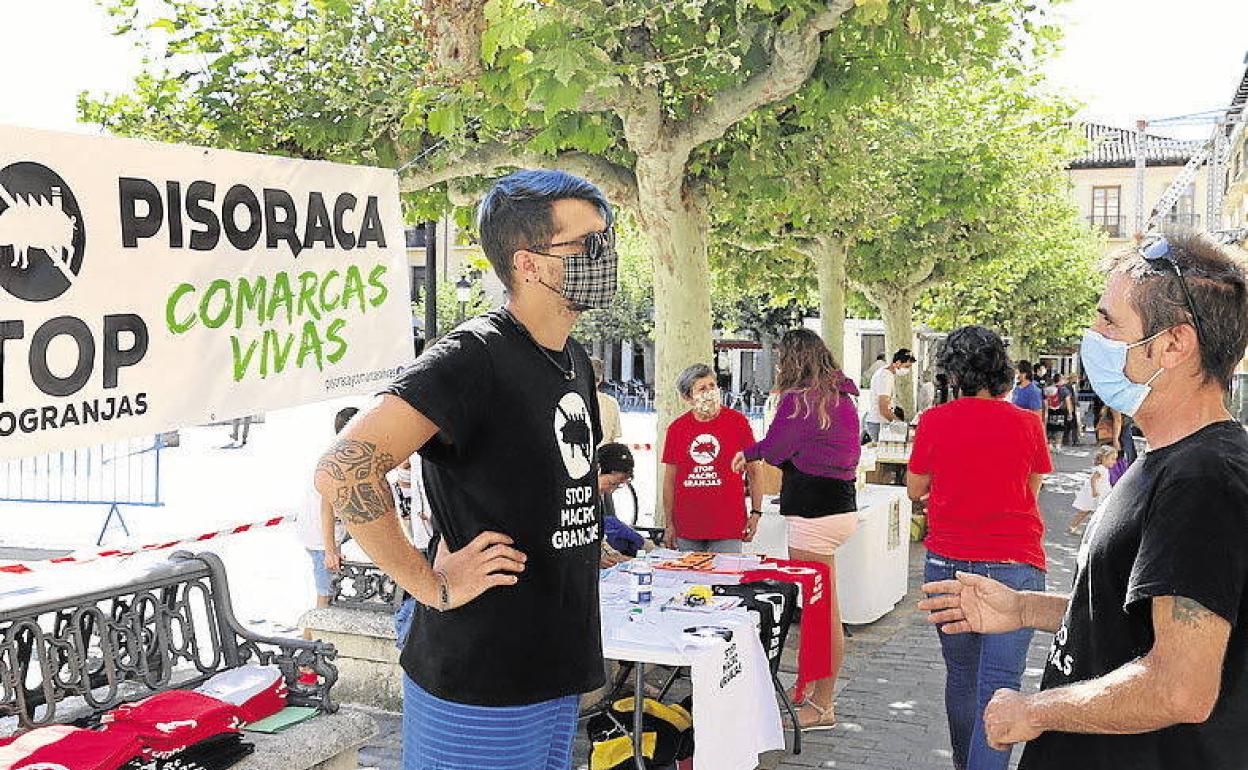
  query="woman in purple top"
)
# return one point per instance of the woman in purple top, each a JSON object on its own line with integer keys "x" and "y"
{"x": 814, "y": 439}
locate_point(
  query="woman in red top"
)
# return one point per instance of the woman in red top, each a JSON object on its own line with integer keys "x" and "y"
{"x": 979, "y": 460}
{"x": 703, "y": 495}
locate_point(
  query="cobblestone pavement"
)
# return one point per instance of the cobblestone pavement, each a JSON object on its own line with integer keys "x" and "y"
{"x": 890, "y": 694}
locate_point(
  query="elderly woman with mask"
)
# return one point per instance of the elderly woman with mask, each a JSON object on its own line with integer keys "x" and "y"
{"x": 703, "y": 498}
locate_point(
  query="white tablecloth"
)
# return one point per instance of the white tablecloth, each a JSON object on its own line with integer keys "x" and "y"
{"x": 735, "y": 714}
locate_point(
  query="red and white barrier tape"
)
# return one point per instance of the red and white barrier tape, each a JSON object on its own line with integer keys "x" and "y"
{"x": 118, "y": 553}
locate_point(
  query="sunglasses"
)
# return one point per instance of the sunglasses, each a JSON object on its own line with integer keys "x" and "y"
{"x": 1160, "y": 251}
{"x": 596, "y": 245}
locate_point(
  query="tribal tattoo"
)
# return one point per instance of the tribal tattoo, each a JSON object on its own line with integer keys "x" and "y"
{"x": 359, "y": 472}
{"x": 1189, "y": 612}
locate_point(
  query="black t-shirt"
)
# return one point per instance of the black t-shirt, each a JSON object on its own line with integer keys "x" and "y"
{"x": 1176, "y": 524}
{"x": 1065, "y": 392}
{"x": 515, "y": 454}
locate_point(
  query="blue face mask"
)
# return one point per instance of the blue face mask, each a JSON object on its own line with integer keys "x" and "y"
{"x": 1105, "y": 363}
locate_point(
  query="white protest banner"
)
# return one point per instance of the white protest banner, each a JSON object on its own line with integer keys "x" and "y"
{"x": 147, "y": 286}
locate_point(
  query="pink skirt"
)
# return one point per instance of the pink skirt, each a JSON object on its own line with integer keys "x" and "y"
{"x": 822, "y": 535}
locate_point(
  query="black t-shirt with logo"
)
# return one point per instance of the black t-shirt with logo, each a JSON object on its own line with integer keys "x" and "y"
{"x": 515, "y": 454}
{"x": 1176, "y": 524}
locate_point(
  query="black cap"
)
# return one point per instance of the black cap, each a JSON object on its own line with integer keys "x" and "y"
{"x": 615, "y": 458}
{"x": 904, "y": 356}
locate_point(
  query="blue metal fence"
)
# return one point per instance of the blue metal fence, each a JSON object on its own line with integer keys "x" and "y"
{"x": 115, "y": 474}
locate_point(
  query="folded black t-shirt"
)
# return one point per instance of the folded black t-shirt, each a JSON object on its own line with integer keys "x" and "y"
{"x": 1176, "y": 524}
{"x": 514, "y": 454}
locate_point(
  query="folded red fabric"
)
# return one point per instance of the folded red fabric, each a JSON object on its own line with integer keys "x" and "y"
{"x": 61, "y": 747}
{"x": 168, "y": 722}
{"x": 258, "y": 691}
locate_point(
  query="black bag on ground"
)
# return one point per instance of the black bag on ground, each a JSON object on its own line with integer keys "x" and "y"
{"x": 666, "y": 735}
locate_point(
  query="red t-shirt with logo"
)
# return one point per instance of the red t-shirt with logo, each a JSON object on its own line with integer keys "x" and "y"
{"x": 980, "y": 454}
{"x": 709, "y": 500}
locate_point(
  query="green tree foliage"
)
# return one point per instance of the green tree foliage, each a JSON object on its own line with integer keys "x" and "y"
{"x": 1041, "y": 296}
{"x": 326, "y": 80}
{"x": 634, "y": 94}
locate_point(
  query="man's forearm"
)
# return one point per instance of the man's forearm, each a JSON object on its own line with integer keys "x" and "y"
{"x": 390, "y": 549}
{"x": 1131, "y": 699}
{"x": 1044, "y": 611}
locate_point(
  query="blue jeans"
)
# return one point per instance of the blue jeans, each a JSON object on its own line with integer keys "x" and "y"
{"x": 977, "y": 665}
{"x": 403, "y": 618}
{"x": 708, "y": 546}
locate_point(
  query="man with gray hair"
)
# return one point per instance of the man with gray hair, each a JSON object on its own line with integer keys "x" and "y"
{"x": 703, "y": 498}
{"x": 1149, "y": 663}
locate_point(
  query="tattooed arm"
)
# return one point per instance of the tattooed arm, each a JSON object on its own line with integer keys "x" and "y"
{"x": 351, "y": 476}
{"x": 1176, "y": 682}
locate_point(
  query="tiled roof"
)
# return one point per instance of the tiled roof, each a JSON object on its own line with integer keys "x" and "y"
{"x": 1241, "y": 96}
{"x": 1115, "y": 148}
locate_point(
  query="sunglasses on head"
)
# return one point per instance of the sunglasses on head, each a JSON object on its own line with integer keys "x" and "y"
{"x": 1159, "y": 251}
{"x": 596, "y": 245}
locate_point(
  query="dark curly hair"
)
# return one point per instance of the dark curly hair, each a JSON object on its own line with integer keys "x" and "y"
{"x": 975, "y": 359}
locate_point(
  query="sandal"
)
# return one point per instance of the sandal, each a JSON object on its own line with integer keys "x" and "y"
{"x": 826, "y": 717}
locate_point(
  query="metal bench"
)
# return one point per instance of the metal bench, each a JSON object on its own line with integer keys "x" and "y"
{"x": 67, "y": 653}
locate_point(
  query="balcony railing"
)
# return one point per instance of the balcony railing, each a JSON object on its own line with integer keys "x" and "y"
{"x": 1113, "y": 227}
{"x": 1120, "y": 227}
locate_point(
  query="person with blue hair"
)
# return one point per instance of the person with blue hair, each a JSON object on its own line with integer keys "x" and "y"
{"x": 502, "y": 410}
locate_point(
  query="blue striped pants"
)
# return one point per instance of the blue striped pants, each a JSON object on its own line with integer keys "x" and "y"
{"x": 441, "y": 735}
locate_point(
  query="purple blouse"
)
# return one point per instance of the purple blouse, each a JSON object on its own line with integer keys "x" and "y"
{"x": 831, "y": 452}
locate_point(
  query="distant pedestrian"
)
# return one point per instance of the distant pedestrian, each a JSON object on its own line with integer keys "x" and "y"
{"x": 927, "y": 393}
{"x": 1027, "y": 394}
{"x": 240, "y": 430}
{"x": 876, "y": 365}
{"x": 882, "y": 410}
{"x": 1114, "y": 428}
{"x": 1069, "y": 398}
{"x": 1095, "y": 487}
{"x": 322, "y": 535}
{"x": 943, "y": 396}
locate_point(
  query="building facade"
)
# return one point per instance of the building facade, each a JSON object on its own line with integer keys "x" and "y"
{"x": 1103, "y": 182}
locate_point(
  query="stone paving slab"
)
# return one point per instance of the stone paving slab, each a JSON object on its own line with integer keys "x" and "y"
{"x": 890, "y": 700}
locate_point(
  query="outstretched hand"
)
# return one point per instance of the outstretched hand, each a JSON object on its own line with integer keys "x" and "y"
{"x": 973, "y": 603}
{"x": 487, "y": 562}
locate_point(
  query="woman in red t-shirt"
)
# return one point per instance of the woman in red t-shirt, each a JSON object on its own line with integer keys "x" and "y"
{"x": 979, "y": 461}
{"x": 703, "y": 497}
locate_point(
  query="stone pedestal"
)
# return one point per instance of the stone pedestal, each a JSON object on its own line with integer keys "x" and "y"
{"x": 368, "y": 661}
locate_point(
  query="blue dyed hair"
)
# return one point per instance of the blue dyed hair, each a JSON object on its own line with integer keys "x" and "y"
{"x": 516, "y": 213}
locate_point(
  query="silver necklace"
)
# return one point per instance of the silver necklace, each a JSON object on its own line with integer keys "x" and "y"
{"x": 569, "y": 373}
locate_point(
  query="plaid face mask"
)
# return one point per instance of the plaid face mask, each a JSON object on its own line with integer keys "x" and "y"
{"x": 590, "y": 278}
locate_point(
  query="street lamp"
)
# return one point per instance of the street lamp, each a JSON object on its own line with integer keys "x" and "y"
{"x": 463, "y": 292}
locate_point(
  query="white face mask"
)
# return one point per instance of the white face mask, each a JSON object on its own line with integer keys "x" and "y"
{"x": 707, "y": 402}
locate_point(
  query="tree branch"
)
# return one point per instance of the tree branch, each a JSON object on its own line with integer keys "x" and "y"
{"x": 617, "y": 181}
{"x": 793, "y": 58}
